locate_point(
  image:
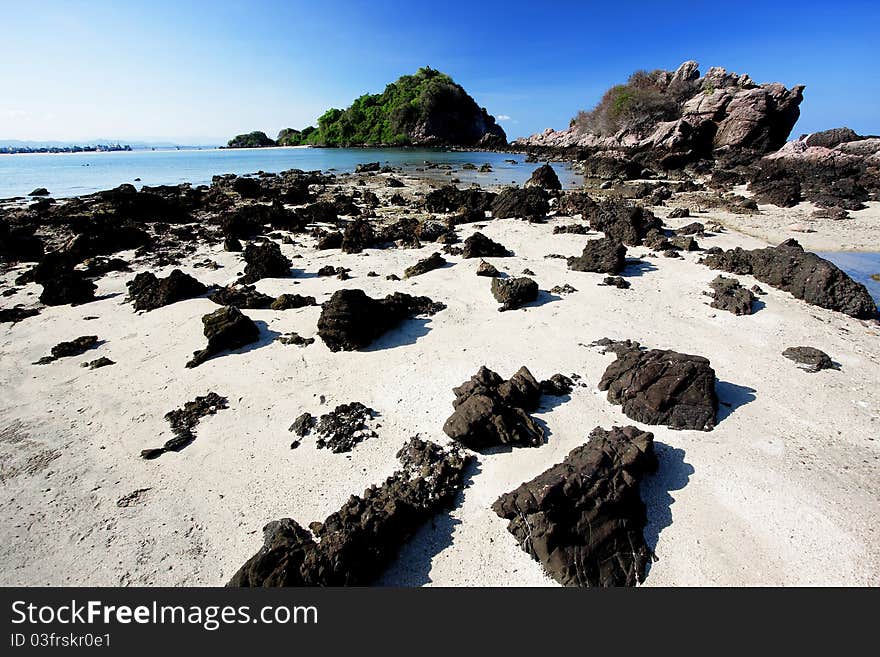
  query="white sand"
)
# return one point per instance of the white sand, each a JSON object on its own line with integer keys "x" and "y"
{"x": 783, "y": 491}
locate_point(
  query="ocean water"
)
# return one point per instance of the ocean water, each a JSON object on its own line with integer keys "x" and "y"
{"x": 74, "y": 174}
{"x": 861, "y": 266}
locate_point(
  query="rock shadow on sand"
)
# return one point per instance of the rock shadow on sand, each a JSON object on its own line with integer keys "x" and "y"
{"x": 408, "y": 332}
{"x": 673, "y": 474}
{"x": 731, "y": 397}
{"x": 413, "y": 564}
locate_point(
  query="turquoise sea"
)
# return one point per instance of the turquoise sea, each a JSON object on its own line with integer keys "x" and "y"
{"x": 74, "y": 174}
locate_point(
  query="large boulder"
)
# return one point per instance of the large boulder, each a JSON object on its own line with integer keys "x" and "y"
{"x": 62, "y": 284}
{"x": 805, "y": 275}
{"x": 480, "y": 246}
{"x": 622, "y": 222}
{"x": 264, "y": 261}
{"x": 544, "y": 177}
{"x": 583, "y": 519}
{"x": 729, "y": 295}
{"x": 351, "y": 320}
{"x": 148, "y": 292}
{"x": 663, "y": 387}
{"x": 354, "y": 545}
{"x": 490, "y": 411}
{"x": 513, "y": 293}
{"x": 226, "y": 328}
{"x": 603, "y": 256}
{"x": 530, "y": 203}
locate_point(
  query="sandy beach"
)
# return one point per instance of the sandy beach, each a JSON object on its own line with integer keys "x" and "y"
{"x": 782, "y": 492}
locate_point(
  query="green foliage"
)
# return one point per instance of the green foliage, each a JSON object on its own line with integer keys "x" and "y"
{"x": 292, "y": 137}
{"x": 390, "y": 117}
{"x": 253, "y": 139}
{"x": 637, "y": 106}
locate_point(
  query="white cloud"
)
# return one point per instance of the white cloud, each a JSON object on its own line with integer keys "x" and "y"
{"x": 14, "y": 114}
{"x": 502, "y": 117}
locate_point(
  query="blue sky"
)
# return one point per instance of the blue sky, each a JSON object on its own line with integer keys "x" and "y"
{"x": 199, "y": 72}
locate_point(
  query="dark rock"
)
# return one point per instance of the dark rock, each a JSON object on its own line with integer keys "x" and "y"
{"x": 232, "y": 244}
{"x": 147, "y": 292}
{"x": 452, "y": 199}
{"x": 490, "y": 411}
{"x": 557, "y": 385}
{"x": 513, "y": 293}
{"x": 562, "y": 289}
{"x": 303, "y": 424}
{"x": 393, "y": 182}
{"x": 805, "y": 275}
{"x": 480, "y": 246}
{"x": 355, "y": 545}
{"x": 603, "y": 256}
{"x": 75, "y": 347}
{"x": 616, "y": 281}
{"x": 486, "y": 269}
{"x": 358, "y": 235}
{"x": 183, "y": 422}
{"x": 573, "y": 229}
{"x": 351, "y": 320}
{"x": 226, "y": 328}
{"x": 434, "y": 261}
{"x": 19, "y": 244}
{"x": 583, "y": 519}
{"x": 624, "y": 223}
{"x": 241, "y": 296}
{"x": 344, "y": 427}
{"x": 663, "y": 387}
{"x": 783, "y": 192}
{"x": 62, "y": 284}
{"x": 368, "y": 167}
{"x": 678, "y": 213}
{"x": 292, "y": 301}
{"x": 39, "y": 191}
{"x": 695, "y": 228}
{"x": 684, "y": 243}
{"x": 810, "y": 359}
{"x": 544, "y": 177}
{"x": 331, "y": 240}
{"x": 530, "y": 203}
{"x": 296, "y": 339}
{"x": 729, "y": 295}
{"x": 577, "y": 203}
{"x": 264, "y": 261}
{"x": 103, "y": 361}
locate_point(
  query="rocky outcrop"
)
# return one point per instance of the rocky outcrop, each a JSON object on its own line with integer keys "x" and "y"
{"x": 603, "y": 256}
{"x": 226, "y": 328}
{"x": 583, "y": 519}
{"x": 490, "y": 411}
{"x": 717, "y": 111}
{"x": 75, "y": 347}
{"x": 513, "y": 293}
{"x": 663, "y": 387}
{"x": 148, "y": 292}
{"x": 351, "y": 320}
{"x": 354, "y": 545}
{"x": 241, "y": 296}
{"x": 805, "y": 275}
